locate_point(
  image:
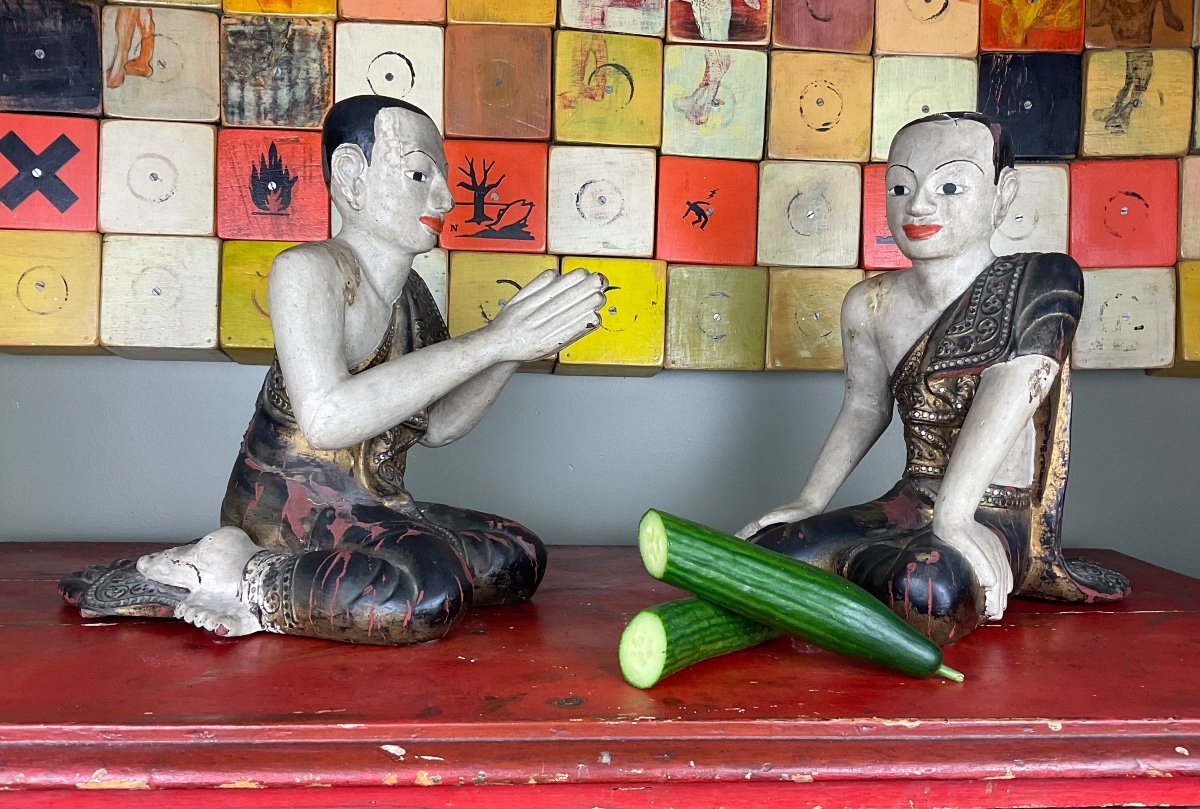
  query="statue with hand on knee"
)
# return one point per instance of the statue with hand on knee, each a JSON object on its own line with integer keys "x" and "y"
{"x": 973, "y": 351}
{"x": 320, "y": 537}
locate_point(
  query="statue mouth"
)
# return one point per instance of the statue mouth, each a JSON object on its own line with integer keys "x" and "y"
{"x": 434, "y": 223}
{"x": 918, "y": 232}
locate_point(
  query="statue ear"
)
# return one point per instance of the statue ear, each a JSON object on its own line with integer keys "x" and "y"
{"x": 1006, "y": 192}
{"x": 346, "y": 169}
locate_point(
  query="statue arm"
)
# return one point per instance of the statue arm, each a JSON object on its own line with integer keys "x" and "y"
{"x": 336, "y": 409}
{"x": 865, "y": 413}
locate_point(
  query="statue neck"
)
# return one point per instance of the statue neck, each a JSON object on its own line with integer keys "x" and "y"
{"x": 384, "y": 264}
{"x": 940, "y": 281}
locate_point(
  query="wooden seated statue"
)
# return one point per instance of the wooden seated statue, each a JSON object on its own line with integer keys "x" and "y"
{"x": 973, "y": 350}
{"x": 321, "y": 538}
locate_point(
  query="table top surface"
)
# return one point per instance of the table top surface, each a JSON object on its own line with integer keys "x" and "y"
{"x": 533, "y": 693}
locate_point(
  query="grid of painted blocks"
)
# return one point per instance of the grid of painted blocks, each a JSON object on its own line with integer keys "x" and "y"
{"x": 718, "y": 160}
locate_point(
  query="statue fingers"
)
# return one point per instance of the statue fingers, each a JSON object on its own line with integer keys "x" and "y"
{"x": 540, "y": 282}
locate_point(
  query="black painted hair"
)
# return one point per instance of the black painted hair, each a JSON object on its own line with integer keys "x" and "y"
{"x": 1002, "y": 144}
{"x": 352, "y": 120}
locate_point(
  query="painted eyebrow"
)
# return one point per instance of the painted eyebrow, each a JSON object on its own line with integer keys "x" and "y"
{"x": 962, "y": 160}
{"x": 419, "y": 151}
{"x": 902, "y": 166}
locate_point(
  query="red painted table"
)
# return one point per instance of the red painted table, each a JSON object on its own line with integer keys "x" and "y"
{"x": 1062, "y": 706}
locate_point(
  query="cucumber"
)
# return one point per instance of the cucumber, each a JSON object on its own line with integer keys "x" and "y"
{"x": 792, "y": 596}
{"x": 665, "y": 638}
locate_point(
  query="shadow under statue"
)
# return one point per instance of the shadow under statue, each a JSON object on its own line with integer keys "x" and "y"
{"x": 973, "y": 351}
{"x": 320, "y": 537}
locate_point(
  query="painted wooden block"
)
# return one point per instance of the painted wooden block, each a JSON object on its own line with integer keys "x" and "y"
{"x": 498, "y": 82}
{"x": 1128, "y": 319}
{"x": 1124, "y": 213}
{"x": 393, "y": 10}
{"x": 844, "y": 26}
{"x": 157, "y": 177}
{"x": 602, "y": 201}
{"x": 707, "y": 210}
{"x": 716, "y": 317}
{"x": 161, "y": 63}
{"x": 1189, "y": 208}
{"x": 299, "y": 8}
{"x": 820, "y": 106}
{"x": 388, "y": 59}
{"x": 482, "y": 283}
{"x": 158, "y": 297}
{"x": 646, "y": 17}
{"x": 49, "y": 292}
{"x": 804, "y": 318}
{"x": 932, "y": 27}
{"x": 1038, "y": 219}
{"x": 631, "y": 336}
{"x": 525, "y": 12}
{"x": 48, "y": 171}
{"x": 269, "y": 185}
{"x": 909, "y": 87}
{"x": 879, "y": 250}
{"x": 608, "y": 88}
{"x": 714, "y": 102}
{"x": 1139, "y": 23}
{"x": 212, "y": 5}
{"x": 808, "y": 214}
{"x": 1187, "y": 323}
{"x": 1019, "y": 25}
{"x": 1137, "y": 102}
{"x": 1037, "y": 97}
{"x": 276, "y": 71}
{"x": 50, "y": 56}
{"x": 245, "y": 315}
{"x": 499, "y": 190}
{"x": 738, "y": 22}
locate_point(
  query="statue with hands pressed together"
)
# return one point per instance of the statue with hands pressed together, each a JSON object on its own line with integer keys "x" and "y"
{"x": 973, "y": 350}
{"x": 321, "y": 538}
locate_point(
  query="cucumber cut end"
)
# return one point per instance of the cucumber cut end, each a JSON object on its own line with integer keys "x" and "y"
{"x": 642, "y": 652}
{"x": 652, "y": 543}
{"x": 949, "y": 673}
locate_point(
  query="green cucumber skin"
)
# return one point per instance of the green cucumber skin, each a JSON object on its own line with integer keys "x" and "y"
{"x": 792, "y": 596}
{"x": 698, "y": 630}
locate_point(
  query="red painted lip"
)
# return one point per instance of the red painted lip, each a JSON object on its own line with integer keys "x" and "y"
{"x": 921, "y": 231}
{"x": 434, "y": 223}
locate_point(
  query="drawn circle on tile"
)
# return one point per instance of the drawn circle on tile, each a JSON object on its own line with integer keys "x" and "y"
{"x": 599, "y": 202}
{"x": 152, "y": 178}
{"x": 822, "y": 10}
{"x": 258, "y": 295}
{"x": 1126, "y": 213}
{"x": 927, "y": 10}
{"x": 1124, "y": 312}
{"x": 1021, "y": 222}
{"x": 817, "y": 330}
{"x": 612, "y": 82}
{"x": 166, "y": 60}
{"x": 809, "y": 213}
{"x": 821, "y": 105}
{"x": 921, "y": 101}
{"x": 156, "y": 285}
{"x": 391, "y": 73}
{"x": 713, "y": 315}
{"x": 498, "y": 83}
{"x": 490, "y": 307}
{"x": 42, "y": 290}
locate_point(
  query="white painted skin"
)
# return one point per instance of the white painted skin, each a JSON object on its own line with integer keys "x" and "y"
{"x": 883, "y": 316}
{"x": 318, "y": 337}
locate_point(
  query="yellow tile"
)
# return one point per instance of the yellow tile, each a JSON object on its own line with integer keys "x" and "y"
{"x": 515, "y": 12}
{"x": 298, "y": 8}
{"x": 608, "y": 88}
{"x": 1189, "y": 208}
{"x": 804, "y": 331}
{"x": 820, "y": 106}
{"x": 716, "y": 317}
{"x": 629, "y": 341}
{"x": 245, "y": 325}
{"x": 49, "y": 292}
{"x": 1187, "y": 323}
{"x": 932, "y": 27}
{"x": 1137, "y": 102}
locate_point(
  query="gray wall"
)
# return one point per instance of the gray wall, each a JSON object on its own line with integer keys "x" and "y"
{"x": 102, "y": 448}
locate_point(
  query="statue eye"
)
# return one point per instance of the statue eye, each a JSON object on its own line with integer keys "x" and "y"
{"x": 898, "y": 191}
{"x": 418, "y": 176}
{"x": 950, "y": 189}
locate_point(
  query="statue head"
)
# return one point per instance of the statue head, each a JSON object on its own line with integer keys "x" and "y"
{"x": 950, "y": 181}
{"x": 386, "y": 170}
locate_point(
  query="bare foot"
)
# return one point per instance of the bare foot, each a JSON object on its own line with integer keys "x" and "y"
{"x": 136, "y": 67}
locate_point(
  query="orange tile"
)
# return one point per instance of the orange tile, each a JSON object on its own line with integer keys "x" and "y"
{"x": 269, "y": 185}
{"x": 48, "y": 172}
{"x": 707, "y": 210}
{"x": 1124, "y": 212}
{"x": 499, "y": 190}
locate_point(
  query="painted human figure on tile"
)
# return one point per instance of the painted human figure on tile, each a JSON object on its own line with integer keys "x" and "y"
{"x": 132, "y": 58}
{"x": 697, "y": 105}
{"x": 973, "y": 350}
{"x": 321, "y": 537}
{"x": 1132, "y": 21}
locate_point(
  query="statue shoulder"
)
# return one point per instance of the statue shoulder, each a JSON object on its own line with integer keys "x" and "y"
{"x": 1055, "y": 271}
{"x": 313, "y": 267}
{"x": 1049, "y": 306}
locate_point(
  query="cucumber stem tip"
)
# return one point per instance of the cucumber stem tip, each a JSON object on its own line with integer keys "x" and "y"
{"x": 949, "y": 673}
